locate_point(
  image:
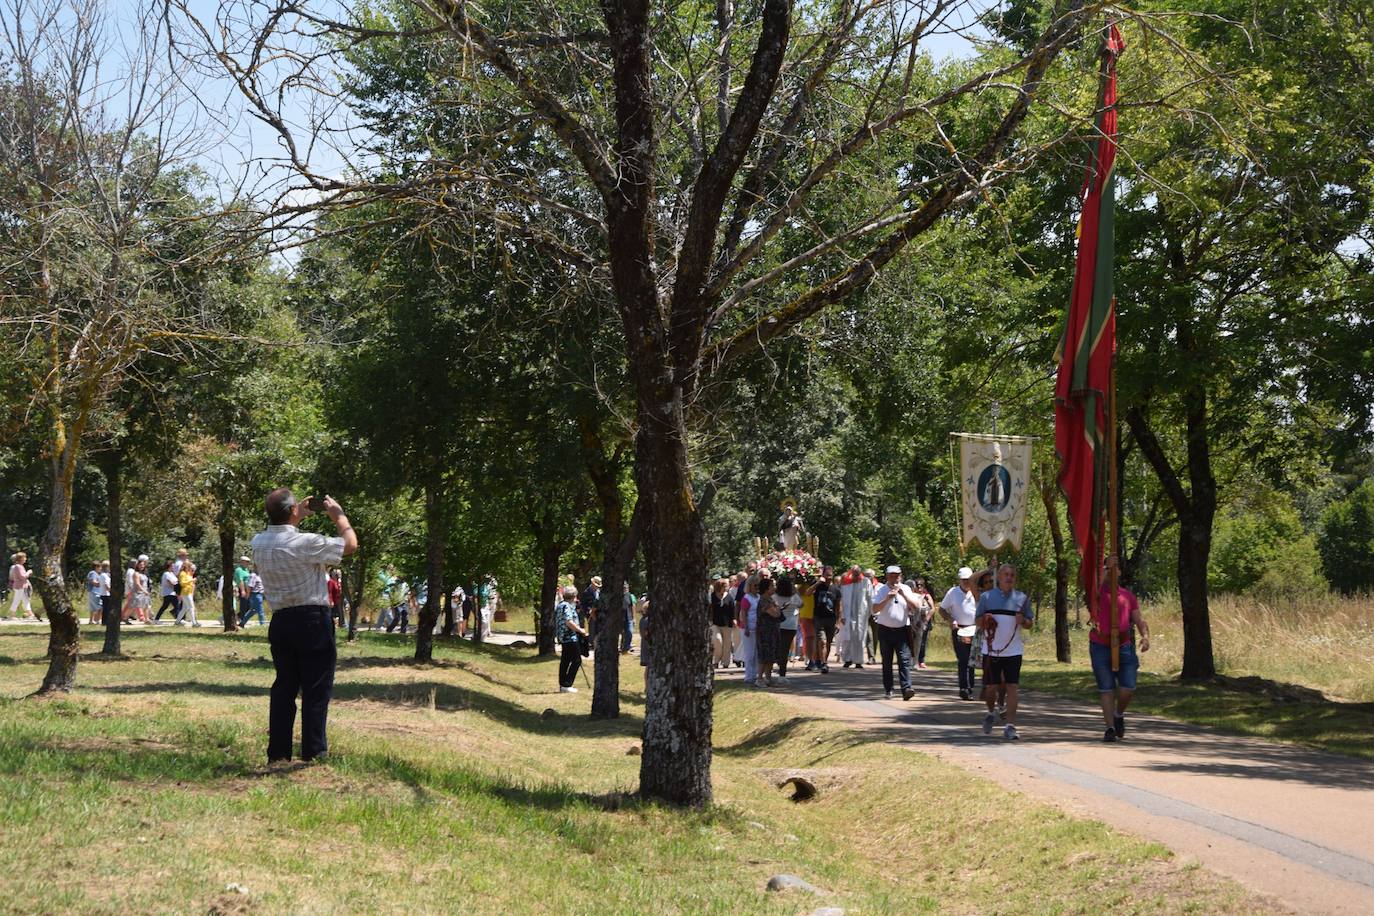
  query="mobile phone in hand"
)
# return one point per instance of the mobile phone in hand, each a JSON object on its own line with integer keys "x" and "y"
{"x": 315, "y": 504}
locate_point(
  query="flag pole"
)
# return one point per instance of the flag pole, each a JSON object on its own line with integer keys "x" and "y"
{"x": 1113, "y": 546}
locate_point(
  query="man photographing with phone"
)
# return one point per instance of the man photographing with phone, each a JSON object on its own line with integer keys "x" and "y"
{"x": 294, "y": 566}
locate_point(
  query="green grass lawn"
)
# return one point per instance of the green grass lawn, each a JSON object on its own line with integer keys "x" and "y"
{"x": 447, "y": 789}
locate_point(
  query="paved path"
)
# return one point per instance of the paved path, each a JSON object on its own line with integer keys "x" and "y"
{"x": 1292, "y": 823}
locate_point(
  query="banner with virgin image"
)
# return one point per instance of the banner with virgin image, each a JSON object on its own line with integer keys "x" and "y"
{"x": 994, "y": 477}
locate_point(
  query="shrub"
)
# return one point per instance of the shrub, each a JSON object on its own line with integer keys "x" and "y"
{"x": 1346, "y": 540}
{"x": 1260, "y": 546}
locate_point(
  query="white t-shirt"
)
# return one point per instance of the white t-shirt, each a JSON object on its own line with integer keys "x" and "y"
{"x": 749, "y": 609}
{"x": 130, "y": 581}
{"x": 169, "y": 584}
{"x": 960, "y": 605}
{"x": 898, "y": 612}
{"x": 1006, "y": 640}
{"x": 791, "y": 609}
{"x": 104, "y": 589}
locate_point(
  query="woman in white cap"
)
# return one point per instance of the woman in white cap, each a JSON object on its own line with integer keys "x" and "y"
{"x": 958, "y": 608}
{"x": 135, "y": 592}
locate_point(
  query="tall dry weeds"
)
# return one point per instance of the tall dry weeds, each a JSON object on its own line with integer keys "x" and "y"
{"x": 1321, "y": 641}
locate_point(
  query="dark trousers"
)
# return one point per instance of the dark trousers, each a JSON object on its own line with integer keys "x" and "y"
{"x": 895, "y": 640}
{"x": 785, "y": 638}
{"x": 962, "y": 652}
{"x": 303, "y": 652}
{"x": 169, "y": 602}
{"x": 569, "y": 663}
{"x": 399, "y": 614}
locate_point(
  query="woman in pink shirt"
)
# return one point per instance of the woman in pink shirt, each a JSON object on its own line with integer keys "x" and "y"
{"x": 20, "y": 588}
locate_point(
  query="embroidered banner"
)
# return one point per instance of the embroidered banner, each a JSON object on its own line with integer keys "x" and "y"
{"x": 994, "y": 475}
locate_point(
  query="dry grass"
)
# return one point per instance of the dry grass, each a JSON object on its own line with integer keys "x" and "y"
{"x": 1299, "y": 670}
{"x": 1323, "y": 642}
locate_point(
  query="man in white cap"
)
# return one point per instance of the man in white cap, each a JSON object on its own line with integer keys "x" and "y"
{"x": 241, "y": 586}
{"x": 894, "y": 607}
{"x": 959, "y": 607}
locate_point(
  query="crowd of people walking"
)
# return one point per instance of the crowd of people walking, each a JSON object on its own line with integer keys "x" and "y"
{"x": 176, "y": 588}
{"x": 763, "y": 622}
{"x": 760, "y": 621}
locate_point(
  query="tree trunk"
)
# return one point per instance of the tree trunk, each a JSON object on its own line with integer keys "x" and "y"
{"x": 548, "y": 589}
{"x": 228, "y": 536}
{"x": 619, "y": 549}
{"x": 5, "y": 553}
{"x": 111, "y": 465}
{"x": 359, "y": 589}
{"x": 434, "y": 568}
{"x": 1063, "y": 646}
{"x": 604, "y": 469}
{"x": 1195, "y": 545}
{"x": 64, "y": 634}
{"x": 478, "y": 603}
{"x": 676, "y": 762}
{"x": 1196, "y": 512}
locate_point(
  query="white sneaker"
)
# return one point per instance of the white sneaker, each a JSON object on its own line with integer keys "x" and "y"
{"x": 570, "y": 690}
{"x": 988, "y": 722}
{"x": 1010, "y": 733}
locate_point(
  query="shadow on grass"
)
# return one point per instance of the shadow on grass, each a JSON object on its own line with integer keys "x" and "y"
{"x": 409, "y": 695}
{"x": 205, "y": 760}
{"x": 425, "y": 779}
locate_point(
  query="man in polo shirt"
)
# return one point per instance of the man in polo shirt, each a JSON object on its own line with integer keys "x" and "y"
{"x": 1010, "y": 611}
{"x": 294, "y": 566}
{"x": 893, "y": 606}
{"x": 241, "y": 587}
{"x": 960, "y": 608}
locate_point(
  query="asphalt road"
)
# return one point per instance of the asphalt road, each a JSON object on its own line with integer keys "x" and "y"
{"x": 1291, "y": 823}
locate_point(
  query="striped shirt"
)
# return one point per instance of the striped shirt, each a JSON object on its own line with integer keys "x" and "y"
{"x": 294, "y": 565}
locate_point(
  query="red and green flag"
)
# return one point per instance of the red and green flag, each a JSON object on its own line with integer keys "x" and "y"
{"x": 1089, "y": 342}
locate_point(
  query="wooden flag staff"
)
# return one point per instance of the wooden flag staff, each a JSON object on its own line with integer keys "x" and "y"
{"x": 1113, "y": 545}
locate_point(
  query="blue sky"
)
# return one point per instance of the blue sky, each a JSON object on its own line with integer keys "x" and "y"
{"x": 240, "y": 145}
